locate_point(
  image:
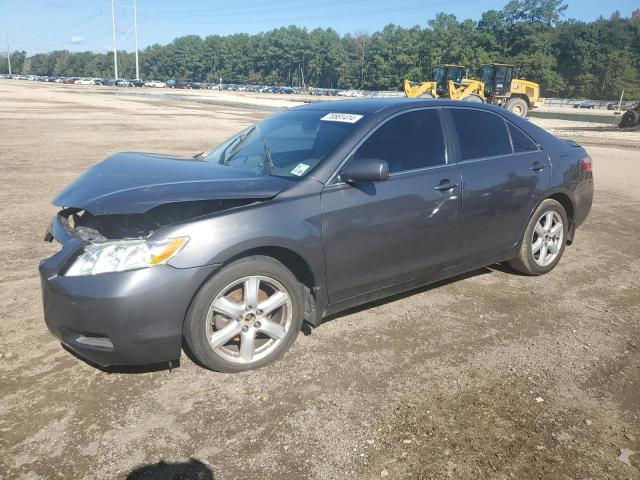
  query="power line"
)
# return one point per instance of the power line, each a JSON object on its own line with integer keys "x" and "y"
{"x": 55, "y": 33}
{"x": 261, "y": 8}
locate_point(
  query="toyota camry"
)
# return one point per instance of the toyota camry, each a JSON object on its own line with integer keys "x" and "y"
{"x": 314, "y": 210}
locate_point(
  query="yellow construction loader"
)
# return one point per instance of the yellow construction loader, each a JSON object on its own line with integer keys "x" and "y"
{"x": 499, "y": 85}
{"x": 503, "y": 87}
{"x": 449, "y": 82}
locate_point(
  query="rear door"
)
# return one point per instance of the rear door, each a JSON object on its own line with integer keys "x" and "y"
{"x": 504, "y": 174}
{"x": 380, "y": 233}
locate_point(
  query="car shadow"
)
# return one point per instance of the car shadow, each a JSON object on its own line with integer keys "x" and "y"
{"x": 415, "y": 291}
{"x": 190, "y": 470}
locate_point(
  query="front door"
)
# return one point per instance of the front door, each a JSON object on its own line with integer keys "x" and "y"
{"x": 377, "y": 234}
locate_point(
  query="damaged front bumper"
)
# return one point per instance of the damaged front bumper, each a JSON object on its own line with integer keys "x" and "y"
{"x": 122, "y": 318}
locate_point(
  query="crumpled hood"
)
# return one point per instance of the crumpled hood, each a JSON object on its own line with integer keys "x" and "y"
{"x": 128, "y": 183}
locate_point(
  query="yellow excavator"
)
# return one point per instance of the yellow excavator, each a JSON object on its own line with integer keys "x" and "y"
{"x": 499, "y": 85}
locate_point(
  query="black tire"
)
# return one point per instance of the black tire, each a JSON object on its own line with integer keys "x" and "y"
{"x": 518, "y": 106}
{"x": 631, "y": 118}
{"x": 525, "y": 262}
{"x": 473, "y": 98}
{"x": 195, "y": 326}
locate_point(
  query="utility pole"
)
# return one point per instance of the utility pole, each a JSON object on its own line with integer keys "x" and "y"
{"x": 300, "y": 69}
{"x": 9, "y": 55}
{"x": 135, "y": 27}
{"x": 619, "y": 103}
{"x": 115, "y": 46}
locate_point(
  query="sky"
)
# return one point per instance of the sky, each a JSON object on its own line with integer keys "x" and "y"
{"x": 78, "y": 25}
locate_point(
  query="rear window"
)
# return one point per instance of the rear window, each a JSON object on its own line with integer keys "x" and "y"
{"x": 481, "y": 134}
{"x": 520, "y": 140}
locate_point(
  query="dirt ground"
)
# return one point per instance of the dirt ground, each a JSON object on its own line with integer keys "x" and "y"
{"x": 488, "y": 376}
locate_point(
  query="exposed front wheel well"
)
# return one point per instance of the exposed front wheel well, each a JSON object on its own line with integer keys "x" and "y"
{"x": 300, "y": 269}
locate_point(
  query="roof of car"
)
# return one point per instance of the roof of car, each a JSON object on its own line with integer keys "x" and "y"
{"x": 374, "y": 105}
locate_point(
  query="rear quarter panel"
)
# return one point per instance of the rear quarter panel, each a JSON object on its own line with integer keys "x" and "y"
{"x": 568, "y": 176}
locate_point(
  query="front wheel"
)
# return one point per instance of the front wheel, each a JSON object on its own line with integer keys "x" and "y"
{"x": 518, "y": 106}
{"x": 246, "y": 316}
{"x": 543, "y": 241}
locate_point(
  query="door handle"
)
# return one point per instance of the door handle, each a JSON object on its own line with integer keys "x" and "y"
{"x": 537, "y": 166}
{"x": 445, "y": 185}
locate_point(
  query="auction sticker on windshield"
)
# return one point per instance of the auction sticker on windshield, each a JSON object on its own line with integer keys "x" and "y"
{"x": 300, "y": 169}
{"x": 341, "y": 117}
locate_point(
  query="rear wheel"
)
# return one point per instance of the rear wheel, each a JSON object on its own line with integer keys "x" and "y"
{"x": 246, "y": 316}
{"x": 544, "y": 240}
{"x": 518, "y": 106}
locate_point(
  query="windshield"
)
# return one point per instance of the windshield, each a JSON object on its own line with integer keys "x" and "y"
{"x": 487, "y": 74}
{"x": 288, "y": 145}
{"x": 446, "y": 73}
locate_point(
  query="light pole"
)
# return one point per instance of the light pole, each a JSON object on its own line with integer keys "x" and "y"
{"x": 135, "y": 27}
{"x": 115, "y": 47}
{"x": 9, "y": 55}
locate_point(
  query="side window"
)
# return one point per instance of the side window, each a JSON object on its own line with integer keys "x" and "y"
{"x": 481, "y": 134}
{"x": 521, "y": 142}
{"x": 409, "y": 141}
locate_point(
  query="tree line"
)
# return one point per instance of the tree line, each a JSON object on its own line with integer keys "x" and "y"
{"x": 568, "y": 58}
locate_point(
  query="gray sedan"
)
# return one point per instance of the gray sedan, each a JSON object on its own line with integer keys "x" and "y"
{"x": 312, "y": 211}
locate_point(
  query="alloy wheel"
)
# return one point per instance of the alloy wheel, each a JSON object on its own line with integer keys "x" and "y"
{"x": 548, "y": 236}
{"x": 249, "y": 319}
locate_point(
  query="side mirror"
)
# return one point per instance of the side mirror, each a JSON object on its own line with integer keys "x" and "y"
{"x": 365, "y": 170}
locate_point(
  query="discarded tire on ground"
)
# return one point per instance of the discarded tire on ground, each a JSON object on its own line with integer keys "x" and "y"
{"x": 631, "y": 117}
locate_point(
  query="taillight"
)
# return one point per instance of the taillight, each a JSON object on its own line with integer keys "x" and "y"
{"x": 586, "y": 163}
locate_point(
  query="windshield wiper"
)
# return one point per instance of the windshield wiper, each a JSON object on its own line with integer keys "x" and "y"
{"x": 236, "y": 144}
{"x": 267, "y": 162}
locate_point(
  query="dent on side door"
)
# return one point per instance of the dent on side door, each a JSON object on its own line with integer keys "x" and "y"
{"x": 381, "y": 233}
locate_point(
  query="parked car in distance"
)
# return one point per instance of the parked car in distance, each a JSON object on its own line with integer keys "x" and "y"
{"x": 312, "y": 211}
{"x": 586, "y": 105}
{"x": 155, "y": 84}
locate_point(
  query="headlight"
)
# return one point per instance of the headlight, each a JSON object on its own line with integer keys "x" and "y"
{"x": 124, "y": 255}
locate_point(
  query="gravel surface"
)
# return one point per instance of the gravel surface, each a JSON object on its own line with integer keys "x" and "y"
{"x": 488, "y": 375}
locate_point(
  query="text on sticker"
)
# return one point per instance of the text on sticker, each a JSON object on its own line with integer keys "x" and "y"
{"x": 341, "y": 117}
